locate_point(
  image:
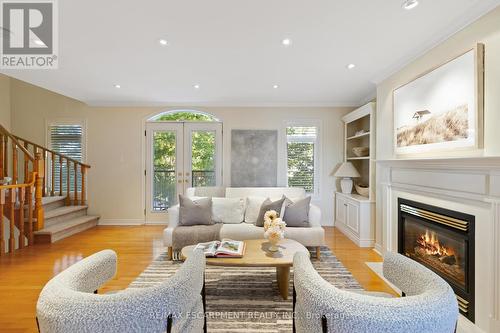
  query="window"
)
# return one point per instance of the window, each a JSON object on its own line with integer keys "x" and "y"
{"x": 184, "y": 116}
{"x": 66, "y": 139}
{"x": 301, "y": 146}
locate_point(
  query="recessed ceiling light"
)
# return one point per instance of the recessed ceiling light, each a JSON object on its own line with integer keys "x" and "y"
{"x": 276, "y": 86}
{"x": 196, "y": 86}
{"x": 117, "y": 86}
{"x": 410, "y": 4}
{"x": 286, "y": 42}
{"x": 351, "y": 66}
{"x": 163, "y": 42}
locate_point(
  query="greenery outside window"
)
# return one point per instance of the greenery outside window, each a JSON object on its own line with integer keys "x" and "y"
{"x": 301, "y": 145}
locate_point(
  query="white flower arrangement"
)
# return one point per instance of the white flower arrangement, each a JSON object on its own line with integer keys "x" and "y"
{"x": 274, "y": 227}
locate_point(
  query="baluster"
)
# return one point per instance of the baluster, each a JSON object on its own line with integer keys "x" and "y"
{"x": 44, "y": 154}
{"x": 3, "y": 171}
{"x": 68, "y": 182}
{"x": 39, "y": 181}
{"x": 60, "y": 176}
{"x": 53, "y": 175}
{"x": 2, "y": 236}
{"x": 75, "y": 198}
{"x": 29, "y": 195}
{"x": 84, "y": 194}
{"x": 26, "y": 165}
{"x": 12, "y": 200}
{"x": 14, "y": 163}
{"x": 6, "y": 155}
{"x": 21, "y": 217}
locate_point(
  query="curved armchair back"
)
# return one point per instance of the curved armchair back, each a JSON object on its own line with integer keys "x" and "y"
{"x": 430, "y": 306}
{"x": 67, "y": 302}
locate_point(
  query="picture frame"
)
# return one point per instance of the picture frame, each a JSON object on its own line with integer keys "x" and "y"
{"x": 441, "y": 110}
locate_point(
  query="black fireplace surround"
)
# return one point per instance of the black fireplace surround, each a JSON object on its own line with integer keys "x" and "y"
{"x": 443, "y": 241}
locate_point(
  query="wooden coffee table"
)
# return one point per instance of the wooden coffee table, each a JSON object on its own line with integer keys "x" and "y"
{"x": 257, "y": 255}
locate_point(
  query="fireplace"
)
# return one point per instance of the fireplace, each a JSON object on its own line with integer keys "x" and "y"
{"x": 443, "y": 241}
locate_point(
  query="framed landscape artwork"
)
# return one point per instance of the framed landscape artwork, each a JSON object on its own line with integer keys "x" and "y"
{"x": 442, "y": 110}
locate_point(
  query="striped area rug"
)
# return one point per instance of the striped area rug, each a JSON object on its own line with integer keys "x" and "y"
{"x": 247, "y": 299}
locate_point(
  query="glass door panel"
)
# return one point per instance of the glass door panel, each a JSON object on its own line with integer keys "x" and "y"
{"x": 203, "y": 158}
{"x": 164, "y": 163}
{"x": 203, "y": 147}
{"x": 164, "y": 170}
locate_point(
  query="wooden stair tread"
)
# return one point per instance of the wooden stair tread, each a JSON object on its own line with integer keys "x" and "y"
{"x": 48, "y": 200}
{"x": 66, "y": 225}
{"x": 63, "y": 211}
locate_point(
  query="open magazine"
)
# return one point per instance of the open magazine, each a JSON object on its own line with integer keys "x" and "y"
{"x": 225, "y": 248}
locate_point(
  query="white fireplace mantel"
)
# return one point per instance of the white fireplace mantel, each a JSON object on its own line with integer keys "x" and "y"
{"x": 470, "y": 185}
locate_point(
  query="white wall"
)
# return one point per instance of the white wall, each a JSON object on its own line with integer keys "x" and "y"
{"x": 115, "y": 145}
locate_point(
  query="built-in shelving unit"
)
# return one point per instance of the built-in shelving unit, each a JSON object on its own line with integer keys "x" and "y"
{"x": 359, "y": 132}
{"x": 355, "y": 214}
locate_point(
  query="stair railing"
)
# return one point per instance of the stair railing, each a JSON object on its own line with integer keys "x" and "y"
{"x": 54, "y": 160}
{"x": 17, "y": 198}
{"x": 32, "y": 169}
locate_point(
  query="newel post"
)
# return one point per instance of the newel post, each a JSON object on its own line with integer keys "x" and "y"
{"x": 40, "y": 172}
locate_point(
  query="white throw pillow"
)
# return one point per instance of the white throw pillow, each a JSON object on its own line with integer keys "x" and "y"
{"x": 228, "y": 210}
{"x": 253, "y": 208}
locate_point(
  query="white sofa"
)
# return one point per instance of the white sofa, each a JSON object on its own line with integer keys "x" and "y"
{"x": 313, "y": 236}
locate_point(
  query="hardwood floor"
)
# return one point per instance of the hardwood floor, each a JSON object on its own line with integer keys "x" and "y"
{"x": 24, "y": 273}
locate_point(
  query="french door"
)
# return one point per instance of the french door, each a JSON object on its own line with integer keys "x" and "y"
{"x": 180, "y": 155}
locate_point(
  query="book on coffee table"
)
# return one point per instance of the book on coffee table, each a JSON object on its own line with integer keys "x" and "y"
{"x": 226, "y": 248}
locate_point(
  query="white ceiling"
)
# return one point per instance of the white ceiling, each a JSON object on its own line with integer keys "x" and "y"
{"x": 233, "y": 50}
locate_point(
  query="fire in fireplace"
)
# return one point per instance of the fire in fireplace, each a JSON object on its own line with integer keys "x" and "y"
{"x": 443, "y": 241}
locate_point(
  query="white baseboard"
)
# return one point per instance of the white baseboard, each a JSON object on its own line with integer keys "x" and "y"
{"x": 121, "y": 222}
{"x": 378, "y": 249}
{"x": 156, "y": 223}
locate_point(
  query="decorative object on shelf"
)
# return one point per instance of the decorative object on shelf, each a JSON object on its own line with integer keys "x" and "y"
{"x": 5, "y": 181}
{"x": 361, "y": 151}
{"x": 362, "y": 189}
{"x": 274, "y": 229}
{"x": 346, "y": 171}
{"x": 442, "y": 109}
{"x": 359, "y": 132}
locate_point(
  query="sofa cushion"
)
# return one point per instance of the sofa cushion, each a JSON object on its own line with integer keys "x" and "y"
{"x": 228, "y": 210}
{"x": 241, "y": 232}
{"x": 194, "y": 212}
{"x": 267, "y": 206}
{"x": 252, "y": 208}
{"x": 297, "y": 212}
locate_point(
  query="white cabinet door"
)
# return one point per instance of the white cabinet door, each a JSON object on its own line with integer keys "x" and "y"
{"x": 353, "y": 217}
{"x": 340, "y": 211}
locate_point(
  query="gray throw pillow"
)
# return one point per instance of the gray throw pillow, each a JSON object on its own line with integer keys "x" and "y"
{"x": 195, "y": 212}
{"x": 297, "y": 213}
{"x": 266, "y": 206}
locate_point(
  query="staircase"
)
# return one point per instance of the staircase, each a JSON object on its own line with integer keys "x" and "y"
{"x": 62, "y": 221}
{"x": 50, "y": 210}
